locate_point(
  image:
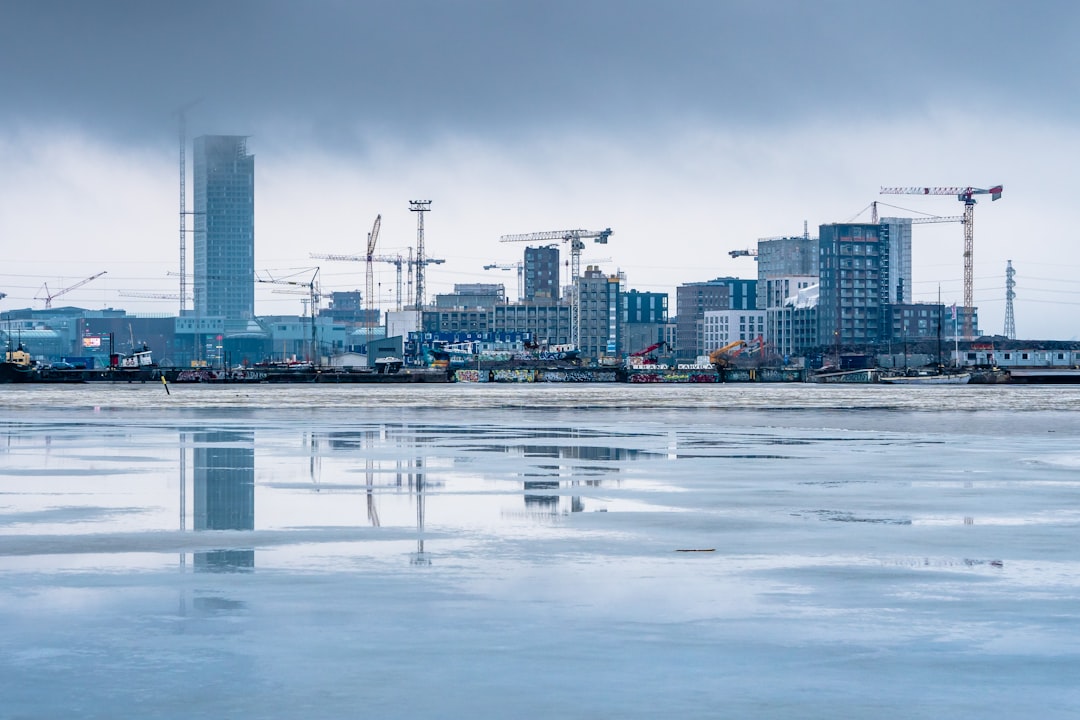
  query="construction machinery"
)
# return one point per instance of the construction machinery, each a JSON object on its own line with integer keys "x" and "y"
{"x": 662, "y": 345}
{"x": 49, "y": 297}
{"x": 313, "y": 296}
{"x": 644, "y": 356}
{"x": 743, "y": 253}
{"x": 152, "y": 296}
{"x": 369, "y": 273}
{"x": 369, "y": 292}
{"x": 398, "y": 261}
{"x": 520, "y": 267}
{"x": 965, "y": 195}
{"x": 576, "y": 240}
{"x": 722, "y": 357}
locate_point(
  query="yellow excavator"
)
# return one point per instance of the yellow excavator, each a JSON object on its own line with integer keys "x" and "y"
{"x": 721, "y": 357}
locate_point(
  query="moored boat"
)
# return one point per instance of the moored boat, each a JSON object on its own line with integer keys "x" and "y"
{"x": 960, "y": 378}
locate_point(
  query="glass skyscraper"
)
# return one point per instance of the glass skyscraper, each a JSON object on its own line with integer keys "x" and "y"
{"x": 224, "y": 194}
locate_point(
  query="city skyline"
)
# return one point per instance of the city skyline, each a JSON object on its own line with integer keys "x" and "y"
{"x": 690, "y": 131}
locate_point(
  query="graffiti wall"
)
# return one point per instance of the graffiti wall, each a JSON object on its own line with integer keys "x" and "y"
{"x": 514, "y": 375}
{"x": 576, "y": 376}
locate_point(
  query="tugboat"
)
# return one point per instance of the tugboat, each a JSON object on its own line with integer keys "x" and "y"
{"x": 18, "y": 366}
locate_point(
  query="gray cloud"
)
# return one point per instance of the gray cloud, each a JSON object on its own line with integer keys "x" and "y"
{"x": 340, "y": 72}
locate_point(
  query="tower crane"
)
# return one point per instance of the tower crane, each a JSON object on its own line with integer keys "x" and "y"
{"x": 520, "y": 267}
{"x": 49, "y": 297}
{"x": 153, "y": 296}
{"x": 369, "y": 294}
{"x": 368, "y": 259}
{"x": 752, "y": 252}
{"x": 312, "y": 286}
{"x": 965, "y": 195}
{"x": 576, "y": 239}
{"x": 398, "y": 261}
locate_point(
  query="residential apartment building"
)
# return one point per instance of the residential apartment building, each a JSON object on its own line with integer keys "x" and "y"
{"x": 598, "y": 304}
{"x": 541, "y": 273}
{"x": 899, "y": 233}
{"x": 855, "y": 279}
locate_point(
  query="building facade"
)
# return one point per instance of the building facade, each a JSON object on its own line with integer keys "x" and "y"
{"x": 598, "y": 305}
{"x": 855, "y": 278}
{"x": 721, "y": 327}
{"x": 642, "y": 318}
{"x": 692, "y": 302}
{"x": 541, "y": 273}
{"x": 224, "y": 238}
{"x": 899, "y": 230}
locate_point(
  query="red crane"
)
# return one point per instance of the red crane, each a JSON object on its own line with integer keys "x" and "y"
{"x": 654, "y": 346}
{"x": 965, "y": 195}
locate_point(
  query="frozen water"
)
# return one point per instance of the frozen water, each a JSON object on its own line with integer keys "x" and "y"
{"x": 574, "y": 552}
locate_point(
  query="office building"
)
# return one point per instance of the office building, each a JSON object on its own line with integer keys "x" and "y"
{"x": 224, "y": 219}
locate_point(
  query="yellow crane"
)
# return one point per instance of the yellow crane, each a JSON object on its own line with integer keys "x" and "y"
{"x": 722, "y": 356}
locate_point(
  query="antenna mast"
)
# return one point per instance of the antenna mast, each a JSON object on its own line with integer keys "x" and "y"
{"x": 1010, "y": 293}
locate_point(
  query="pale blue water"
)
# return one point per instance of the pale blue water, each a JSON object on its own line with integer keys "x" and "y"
{"x": 257, "y": 552}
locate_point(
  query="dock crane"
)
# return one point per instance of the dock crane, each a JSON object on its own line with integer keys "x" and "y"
{"x": 49, "y": 297}
{"x": 576, "y": 240}
{"x": 965, "y": 195}
{"x": 312, "y": 286}
{"x": 520, "y": 267}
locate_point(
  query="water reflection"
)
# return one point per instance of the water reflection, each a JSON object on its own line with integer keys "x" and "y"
{"x": 224, "y": 494}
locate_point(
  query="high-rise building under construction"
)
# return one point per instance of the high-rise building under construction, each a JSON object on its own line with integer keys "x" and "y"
{"x": 224, "y": 243}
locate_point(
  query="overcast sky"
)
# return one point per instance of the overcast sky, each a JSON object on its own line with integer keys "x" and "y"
{"x": 689, "y": 128}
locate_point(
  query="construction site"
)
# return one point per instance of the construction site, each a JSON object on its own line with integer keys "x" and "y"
{"x": 830, "y": 305}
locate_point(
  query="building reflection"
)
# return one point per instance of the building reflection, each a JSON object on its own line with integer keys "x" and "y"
{"x": 224, "y": 489}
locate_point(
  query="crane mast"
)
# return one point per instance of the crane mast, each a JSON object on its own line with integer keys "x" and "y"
{"x": 965, "y": 195}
